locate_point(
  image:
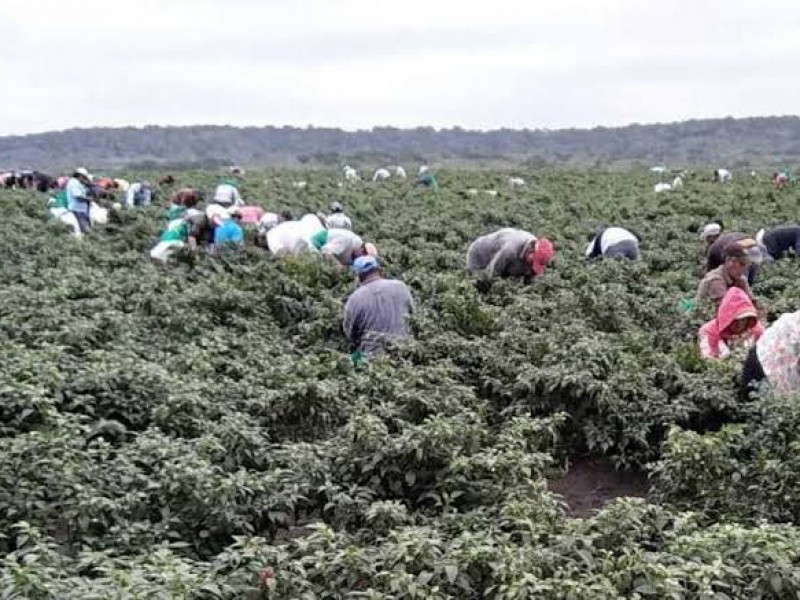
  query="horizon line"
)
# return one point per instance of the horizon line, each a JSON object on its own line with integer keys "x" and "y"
{"x": 373, "y": 128}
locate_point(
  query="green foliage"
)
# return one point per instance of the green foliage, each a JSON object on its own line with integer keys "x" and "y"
{"x": 199, "y": 431}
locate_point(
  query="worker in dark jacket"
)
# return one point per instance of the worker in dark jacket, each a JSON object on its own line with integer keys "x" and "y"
{"x": 780, "y": 241}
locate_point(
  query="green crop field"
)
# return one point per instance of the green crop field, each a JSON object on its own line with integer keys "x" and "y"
{"x": 198, "y": 430}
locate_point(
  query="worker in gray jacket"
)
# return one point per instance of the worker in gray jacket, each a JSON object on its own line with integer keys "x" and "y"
{"x": 510, "y": 253}
{"x": 378, "y": 311}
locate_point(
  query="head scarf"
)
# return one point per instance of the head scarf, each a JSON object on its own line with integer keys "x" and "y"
{"x": 543, "y": 253}
{"x": 710, "y": 230}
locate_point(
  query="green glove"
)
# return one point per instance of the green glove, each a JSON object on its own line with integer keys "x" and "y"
{"x": 357, "y": 357}
{"x": 687, "y": 305}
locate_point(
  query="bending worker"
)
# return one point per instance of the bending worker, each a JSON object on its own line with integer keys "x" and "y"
{"x": 337, "y": 219}
{"x": 780, "y": 241}
{"x": 775, "y": 358}
{"x": 613, "y": 242}
{"x": 343, "y": 245}
{"x": 510, "y": 253}
{"x": 378, "y": 312}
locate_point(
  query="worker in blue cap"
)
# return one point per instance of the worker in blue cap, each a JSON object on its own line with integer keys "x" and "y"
{"x": 378, "y": 312}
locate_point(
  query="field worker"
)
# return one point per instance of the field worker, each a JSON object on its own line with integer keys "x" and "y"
{"x": 736, "y": 324}
{"x": 287, "y": 238}
{"x": 106, "y": 183}
{"x": 187, "y": 229}
{"x": 342, "y": 244}
{"x": 250, "y": 215}
{"x": 775, "y": 358}
{"x": 182, "y": 200}
{"x": 732, "y": 273}
{"x": 267, "y": 221}
{"x": 428, "y": 180}
{"x": 139, "y": 193}
{"x": 613, "y": 242}
{"x": 715, "y": 253}
{"x": 378, "y": 311}
{"x": 227, "y": 194}
{"x": 710, "y": 233}
{"x": 78, "y": 198}
{"x": 226, "y": 229}
{"x": 780, "y": 241}
{"x": 59, "y": 209}
{"x": 510, "y": 253}
{"x": 337, "y": 219}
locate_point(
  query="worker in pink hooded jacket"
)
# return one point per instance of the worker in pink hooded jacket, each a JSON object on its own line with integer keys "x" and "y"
{"x": 736, "y": 322}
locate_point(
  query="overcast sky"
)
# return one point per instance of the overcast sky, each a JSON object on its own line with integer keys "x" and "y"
{"x": 362, "y": 63}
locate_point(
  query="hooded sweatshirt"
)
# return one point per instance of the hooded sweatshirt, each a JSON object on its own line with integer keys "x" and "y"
{"x": 714, "y": 338}
{"x": 501, "y": 253}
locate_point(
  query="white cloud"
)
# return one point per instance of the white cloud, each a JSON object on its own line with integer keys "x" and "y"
{"x": 359, "y": 63}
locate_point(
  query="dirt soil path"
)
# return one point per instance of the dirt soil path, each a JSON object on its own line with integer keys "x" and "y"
{"x": 592, "y": 482}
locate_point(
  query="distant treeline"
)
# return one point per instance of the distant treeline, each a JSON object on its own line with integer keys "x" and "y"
{"x": 725, "y": 142}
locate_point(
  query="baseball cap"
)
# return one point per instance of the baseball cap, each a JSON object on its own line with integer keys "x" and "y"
{"x": 364, "y": 264}
{"x": 745, "y": 250}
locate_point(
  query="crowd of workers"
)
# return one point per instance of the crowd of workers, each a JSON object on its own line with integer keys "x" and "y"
{"x": 379, "y": 310}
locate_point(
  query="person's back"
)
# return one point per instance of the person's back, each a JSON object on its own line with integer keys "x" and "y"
{"x": 251, "y": 215}
{"x": 228, "y": 232}
{"x": 782, "y": 240}
{"x": 338, "y": 220}
{"x": 288, "y": 237}
{"x": 501, "y": 253}
{"x": 132, "y": 193}
{"x": 613, "y": 242}
{"x": 339, "y": 243}
{"x": 77, "y": 196}
{"x": 778, "y": 353}
{"x": 227, "y": 195}
{"x": 378, "y": 312}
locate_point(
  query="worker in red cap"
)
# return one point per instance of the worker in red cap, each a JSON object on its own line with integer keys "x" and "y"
{"x": 510, "y": 253}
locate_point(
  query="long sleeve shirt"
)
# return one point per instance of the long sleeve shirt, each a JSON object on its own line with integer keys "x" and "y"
{"x": 501, "y": 254}
{"x": 338, "y": 221}
{"x": 376, "y": 313}
{"x": 782, "y": 240}
{"x": 606, "y": 239}
{"x": 77, "y": 196}
{"x": 228, "y": 195}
